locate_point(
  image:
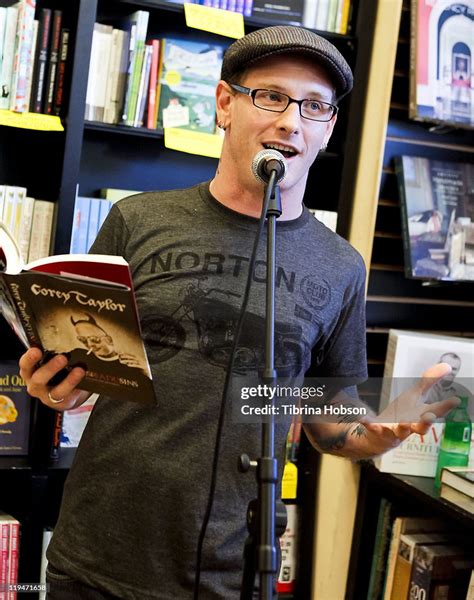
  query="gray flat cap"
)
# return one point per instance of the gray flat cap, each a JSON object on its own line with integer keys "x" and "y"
{"x": 283, "y": 39}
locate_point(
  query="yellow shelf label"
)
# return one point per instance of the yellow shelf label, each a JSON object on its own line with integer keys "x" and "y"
{"x": 215, "y": 20}
{"x": 193, "y": 142}
{"x": 289, "y": 482}
{"x": 30, "y": 121}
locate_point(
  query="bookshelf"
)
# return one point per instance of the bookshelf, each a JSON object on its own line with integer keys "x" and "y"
{"x": 94, "y": 156}
{"x": 396, "y": 302}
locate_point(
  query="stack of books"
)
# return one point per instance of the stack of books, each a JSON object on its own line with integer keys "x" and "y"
{"x": 30, "y": 221}
{"x": 9, "y": 551}
{"x": 457, "y": 486}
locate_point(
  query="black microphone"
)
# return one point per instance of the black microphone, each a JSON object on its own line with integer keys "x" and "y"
{"x": 267, "y": 161}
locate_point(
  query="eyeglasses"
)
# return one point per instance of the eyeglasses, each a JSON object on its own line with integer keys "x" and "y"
{"x": 92, "y": 339}
{"x": 314, "y": 110}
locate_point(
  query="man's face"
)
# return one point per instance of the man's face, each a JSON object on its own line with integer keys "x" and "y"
{"x": 251, "y": 129}
{"x": 96, "y": 340}
{"x": 455, "y": 363}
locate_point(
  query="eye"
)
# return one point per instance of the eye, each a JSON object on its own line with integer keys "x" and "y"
{"x": 314, "y": 105}
{"x": 271, "y": 96}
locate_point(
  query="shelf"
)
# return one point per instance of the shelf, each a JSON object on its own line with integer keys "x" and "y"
{"x": 419, "y": 489}
{"x": 124, "y": 130}
{"x": 14, "y": 463}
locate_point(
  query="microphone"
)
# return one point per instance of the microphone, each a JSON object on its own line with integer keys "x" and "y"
{"x": 267, "y": 161}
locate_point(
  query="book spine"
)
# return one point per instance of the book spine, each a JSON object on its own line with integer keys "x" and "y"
{"x": 332, "y": 15}
{"x": 14, "y": 556}
{"x": 31, "y": 63}
{"x": 93, "y": 224}
{"x": 346, "y": 9}
{"x": 9, "y": 206}
{"x": 130, "y": 62}
{"x": 56, "y": 439}
{"x": 309, "y": 13}
{"x": 22, "y": 57}
{"x": 62, "y": 65}
{"x": 412, "y": 103}
{"x": 404, "y": 217}
{"x": 2, "y": 199}
{"x": 25, "y": 228}
{"x": 41, "y": 230}
{"x": 53, "y": 62}
{"x": 322, "y": 15}
{"x": 151, "y": 120}
{"x": 4, "y": 543}
{"x": 112, "y": 77}
{"x": 41, "y": 61}
{"x": 142, "y": 26}
{"x": 8, "y": 56}
{"x": 80, "y": 225}
{"x": 144, "y": 87}
{"x": 20, "y": 195}
{"x": 3, "y": 20}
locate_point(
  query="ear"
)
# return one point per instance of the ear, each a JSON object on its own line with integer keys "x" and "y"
{"x": 329, "y": 130}
{"x": 224, "y": 98}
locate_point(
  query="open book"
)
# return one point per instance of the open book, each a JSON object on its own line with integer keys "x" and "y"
{"x": 82, "y": 306}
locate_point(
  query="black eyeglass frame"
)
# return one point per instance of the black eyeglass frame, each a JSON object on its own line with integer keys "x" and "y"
{"x": 253, "y": 92}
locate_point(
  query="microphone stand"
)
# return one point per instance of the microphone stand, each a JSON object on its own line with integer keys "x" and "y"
{"x": 262, "y": 557}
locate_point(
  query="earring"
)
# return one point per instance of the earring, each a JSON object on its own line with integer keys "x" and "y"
{"x": 323, "y": 147}
{"x": 221, "y": 126}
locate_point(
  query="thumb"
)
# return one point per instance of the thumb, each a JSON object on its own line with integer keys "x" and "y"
{"x": 440, "y": 409}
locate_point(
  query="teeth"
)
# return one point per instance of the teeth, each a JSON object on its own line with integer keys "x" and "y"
{"x": 279, "y": 147}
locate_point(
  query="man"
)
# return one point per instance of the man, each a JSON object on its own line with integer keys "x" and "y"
{"x": 136, "y": 495}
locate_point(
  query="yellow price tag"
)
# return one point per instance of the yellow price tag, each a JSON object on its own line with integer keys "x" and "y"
{"x": 289, "y": 482}
{"x": 30, "y": 121}
{"x": 193, "y": 142}
{"x": 215, "y": 20}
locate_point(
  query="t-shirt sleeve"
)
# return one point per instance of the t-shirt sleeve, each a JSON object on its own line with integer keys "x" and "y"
{"x": 344, "y": 354}
{"x": 113, "y": 235}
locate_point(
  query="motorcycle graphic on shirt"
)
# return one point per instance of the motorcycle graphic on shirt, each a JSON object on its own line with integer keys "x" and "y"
{"x": 216, "y": 321}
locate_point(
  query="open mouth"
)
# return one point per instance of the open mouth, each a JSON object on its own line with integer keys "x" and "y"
{"x": 285, "y": 150}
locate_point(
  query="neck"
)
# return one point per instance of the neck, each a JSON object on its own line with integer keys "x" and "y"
{"x": 232, "y": 192}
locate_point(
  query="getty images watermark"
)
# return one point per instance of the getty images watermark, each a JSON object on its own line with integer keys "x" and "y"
{"x": 339, "y": 399}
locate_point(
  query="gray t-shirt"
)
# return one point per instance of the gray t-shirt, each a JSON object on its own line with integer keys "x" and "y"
{"x": 134, "y": 500}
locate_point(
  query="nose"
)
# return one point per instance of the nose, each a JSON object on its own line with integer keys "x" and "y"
{"x": 290, "y": 119}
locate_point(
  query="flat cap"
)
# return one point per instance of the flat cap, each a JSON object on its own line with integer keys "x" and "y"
{"x": 283, "y": 39}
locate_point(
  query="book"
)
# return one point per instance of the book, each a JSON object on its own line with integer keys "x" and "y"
{"x": 289, "y": 552}
{"x": 14, "y": 411}
{"x": 189, "y": 73}
{"x": 6, "y": 72}
{"x": 61, "y": 72}
{"x": 409, "y": 354}
{"x": 9, "y": 553}
{"x": 41, "y": 61}
{"x": 381, "y": 548}
{"x": 404, "y": 562}
{"x": 116, "y": 194}
{"x": 437, "y": 208}
{"x": 459, "y": 478}
{"x": 52, "y": 71}
{"x": 440, "y": 571}
{"x": 401, "y": 526}
{"x": 41, "y": 229}
{"x": 288, "y": 12}
{"x": 138, "y": 25}
{"x": 22, "y": 55}
{"x": 82, "y": 306}
{"x": 98, "y": 72}
{"x": 441, "y": 89}
{"x": 454, "y": 496}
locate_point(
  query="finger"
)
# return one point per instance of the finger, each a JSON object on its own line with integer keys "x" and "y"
{"x": 28, "y": 362}
{"x": 432, "y": 376}
{"x": 43, "y": 374}
{"x": 441, "y": 408}
{"x": 66, "y": 393}
{"x": 402, "y": 430}
{"x": 420, "y": 428}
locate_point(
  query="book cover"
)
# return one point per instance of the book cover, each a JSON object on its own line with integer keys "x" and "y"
{"x": 441, "y": 68}
{"x": 14, "y": 411}
{"x": 75, "y": 421}
{"x": 409, "y": 354}
{"x": 82, "y": 306}
{"x": 440, "y": 571}
{"x": 437, "y": 208}
{"x": 189, "y": 74}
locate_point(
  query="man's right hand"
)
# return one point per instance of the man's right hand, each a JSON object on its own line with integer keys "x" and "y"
{"x": 65, "y": 393}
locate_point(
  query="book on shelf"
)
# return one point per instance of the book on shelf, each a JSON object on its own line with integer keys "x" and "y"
{"x": 437, "y": 209}
{"x": 459, "y": 478}
{"x": 381, "y": 548}
{"x": 89, "y": 215}
{"x": 286, "y": 582}
{"x": 441, "y": 88}
{"x": 115, "y": 194}
{"x": 463, "y": 501}
{"x": 58, "y": 97}
{"x": 51, "y": 75}
{"x": 289, "y": 12}
{"x": 22, "y": 55}
{"x": 116, "y": 78}
{"x": 9, "y": 552}
{"x": 470, "y": 591}
{"x": 440, "y": 571}
{"x": 8, "y": 53}
{"x": 41, "y": 61}
{"x": 41, "y": 229}
{"x": 404, "y": 525}
{"x": 409, "y": 354}
{"x": 327, "y": 217}
{"x": 14, "y": 411}
{"x": 189, "y": 72}
{"x": 98, "y": 72}
{"x": 405, "y": 559}
{"x": 82, "y": 306}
